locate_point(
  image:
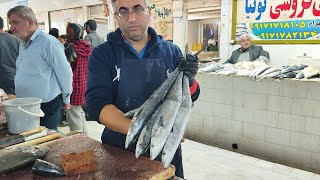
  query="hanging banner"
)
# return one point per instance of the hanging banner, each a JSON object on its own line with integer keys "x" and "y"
{"x": 277, "y": 21}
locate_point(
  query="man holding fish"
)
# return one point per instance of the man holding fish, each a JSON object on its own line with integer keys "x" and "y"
{"x": 124, "y": 71}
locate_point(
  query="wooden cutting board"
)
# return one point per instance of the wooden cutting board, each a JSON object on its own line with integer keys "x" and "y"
{"x": 112, "y": 163}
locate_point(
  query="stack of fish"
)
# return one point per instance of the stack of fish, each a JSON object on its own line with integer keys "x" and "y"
{"x": 210, "y": 67}
{"x": 159, "y": 123}
{"x": 290, "y": 72}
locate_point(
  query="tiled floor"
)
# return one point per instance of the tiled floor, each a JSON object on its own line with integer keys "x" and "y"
{"x": 203, "y": 162}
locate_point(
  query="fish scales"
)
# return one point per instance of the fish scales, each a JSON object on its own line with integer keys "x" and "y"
{"x": 167, "y": 114}
{"x": 145, "y": 135}
{"x": 268, "y": 71}
{"x": 148, "y": 107}
{"x": 179, "y": 125}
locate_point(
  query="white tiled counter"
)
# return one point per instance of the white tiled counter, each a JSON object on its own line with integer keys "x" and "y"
{"x": 276, "y": 121}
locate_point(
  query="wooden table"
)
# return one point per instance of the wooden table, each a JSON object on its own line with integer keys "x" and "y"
{"x": 112, "y": 163}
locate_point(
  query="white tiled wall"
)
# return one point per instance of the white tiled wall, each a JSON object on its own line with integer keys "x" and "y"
{"x": 277, "y": 121}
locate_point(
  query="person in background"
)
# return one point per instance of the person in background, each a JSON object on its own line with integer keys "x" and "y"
{"x": 54, "y": 32}
{"x": 42, "y": 68}
{"x": 125, "y": 70}
{"x": 246, "y": 52}
{"x": 75, "y": 115}
{"x": 63, "y": 38}
{"x": 92, "y": 37}
{"x": 81, "y": 31}
{"x": 9, "y": 51}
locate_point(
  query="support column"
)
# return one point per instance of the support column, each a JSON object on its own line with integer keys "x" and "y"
{"x": 180, "y": 21}
{"x": 225, "y": 33}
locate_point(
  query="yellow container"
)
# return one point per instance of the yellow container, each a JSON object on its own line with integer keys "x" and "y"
{"x": 197, "y": 47}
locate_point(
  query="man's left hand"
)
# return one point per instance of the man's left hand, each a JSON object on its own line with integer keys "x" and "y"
{"x": 189, "y": 66}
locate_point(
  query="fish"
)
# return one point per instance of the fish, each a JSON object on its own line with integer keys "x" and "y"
{"x": 268, "y": 71}
{"x": 289, "y": 75}
{"x": 286, "y": 69}
{"x": 273, "y": 74}
{"x": 131, "y": 113}
{"x": 144, "y": 139}
{"x": 44, "y": 168}
{"x": 299, "y": 67}
{"x": 15, "y": 158}
{"x": 148, "y": 107}
{"x": 278, "y": 75}
{"x": 300, "y": 75}
{"x": 259, "y": 71}
{"x": 285, "y": 75}
{"x": 179, "y": 126}
{"x": 167, "y": 114}
{"x": 211, "y": 68}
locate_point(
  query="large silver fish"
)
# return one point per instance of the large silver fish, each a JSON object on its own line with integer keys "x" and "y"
{"x": 145, "y": 135}
{"x": 148, "y": 107}
{"x": 131, "y": 113}
{"x": 268, "y": 71}
{"x": 300, "y": 75}
{"x": 167, "y": 115}
{"x": 12, "y": 159}
{"x": 179, "y": 125}
{"x": 259, "y": 70}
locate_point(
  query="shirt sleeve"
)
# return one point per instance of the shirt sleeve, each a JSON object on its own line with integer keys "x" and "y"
{"x": 62, "y": 69}
{"x": 99, "y": 92}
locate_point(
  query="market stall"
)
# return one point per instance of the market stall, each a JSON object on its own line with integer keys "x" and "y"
{"x": 276, "y": 119}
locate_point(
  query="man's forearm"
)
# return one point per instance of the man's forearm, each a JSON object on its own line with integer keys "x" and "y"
{"x": 111, "y": 117}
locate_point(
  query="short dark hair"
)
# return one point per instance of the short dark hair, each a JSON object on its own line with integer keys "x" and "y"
{"x": 91, "y": 24}
{"x": 63, "y": 36}
{"x": 54, "y": 32}
{"x": 1, "y": 23}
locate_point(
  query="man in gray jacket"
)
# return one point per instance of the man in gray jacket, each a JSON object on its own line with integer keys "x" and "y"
{"x": 246, "y": 52}
{"x": 9, "y": 51}
{"x": 92, "y": 37}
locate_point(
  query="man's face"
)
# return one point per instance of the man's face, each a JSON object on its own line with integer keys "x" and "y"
{"x": 87, "y": 29}
{"x": 21, "y": 28}
{"x": 70, "y": 33}
{"x": 133, "y": 18}
{"x": 245, "y": 43}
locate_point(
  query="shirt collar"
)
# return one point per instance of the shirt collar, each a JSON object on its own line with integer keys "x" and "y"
{"x": 125, "y": 39}
{"x": 32, "y": 38}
